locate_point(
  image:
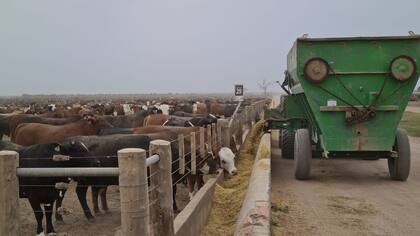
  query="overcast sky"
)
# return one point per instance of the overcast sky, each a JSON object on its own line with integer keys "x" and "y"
{"x": 144, "y": 46}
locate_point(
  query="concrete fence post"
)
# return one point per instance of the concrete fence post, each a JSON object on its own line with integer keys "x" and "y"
{"x": 238, "y": 131}
{"x": 234, "y": 127}
{"x": 193, "y": 154}
{"x": 245, "y": 111}
{"x": 209, "y": 141}
{"x": 253, "y": 113}
{"x": 219, "y": 134}
{"x": 248, "y": 116}
{"x": 202, "y": 143}
{"x": 214, "y": 136}
{"x": 133, "y": 192}
{"x": 181, "y": 152}
{"x": 164, "y": 204}
{"x": 224, "y": 126}
{"x": 9, "y": 194}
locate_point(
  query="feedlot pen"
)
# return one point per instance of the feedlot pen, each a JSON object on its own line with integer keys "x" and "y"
{"x": 158, "y": 214}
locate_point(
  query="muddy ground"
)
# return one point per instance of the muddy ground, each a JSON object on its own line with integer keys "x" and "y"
{"x": 76, "y": 223}
{"x": 346, "y": 197}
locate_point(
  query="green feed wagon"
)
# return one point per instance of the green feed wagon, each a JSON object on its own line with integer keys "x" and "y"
{"x": 345, "y": 99}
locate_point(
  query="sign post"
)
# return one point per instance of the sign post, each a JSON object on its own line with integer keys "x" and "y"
{"x": 239, "y": 92}
{"x": 239, "y": 97}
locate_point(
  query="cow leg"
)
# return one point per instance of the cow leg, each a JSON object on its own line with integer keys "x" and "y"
{"x": 36, "y": 207}
{"x": 48, "y": 217}
{"x": 174, "y": 199}
{"x": 95, "y": 194}
{"x": 191, "y": 185}
{"x": 81, "y": 195}
{"x": 103, "y": 200}
{"x": 200, "y": 181}
{"x": 58, "y": 204}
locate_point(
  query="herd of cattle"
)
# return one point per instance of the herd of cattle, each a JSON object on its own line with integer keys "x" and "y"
{"x": 92, "y": 135}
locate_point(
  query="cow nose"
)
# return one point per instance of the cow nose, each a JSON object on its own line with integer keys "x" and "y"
{"x": 234, "y": 172}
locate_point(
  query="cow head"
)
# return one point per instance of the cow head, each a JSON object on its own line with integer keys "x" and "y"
{"x": 97, "y": 122}
{"x": 210, "y": 165}
{"x": 227, "y": 160}
{"x": 71, "y": 148}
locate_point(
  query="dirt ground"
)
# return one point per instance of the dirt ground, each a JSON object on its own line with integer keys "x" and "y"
{"x": 346, "y": 197}
{"x": 413, "y": 107}
{"x": 414, "y": 103}
{"x": 76, "y": 223}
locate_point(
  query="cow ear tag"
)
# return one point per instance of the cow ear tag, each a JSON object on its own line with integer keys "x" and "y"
{"x": 57, "y": 148}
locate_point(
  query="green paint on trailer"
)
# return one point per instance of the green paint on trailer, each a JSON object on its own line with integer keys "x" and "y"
{"x": 359, "y": 78}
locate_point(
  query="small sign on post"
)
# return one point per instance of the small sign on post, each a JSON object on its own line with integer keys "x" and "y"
{"x": 239, "y": 92}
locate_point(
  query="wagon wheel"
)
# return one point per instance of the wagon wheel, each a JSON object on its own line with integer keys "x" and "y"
{"x": 287, "y": 143}
{"x": 303, "y": 154}
{"x": 399, "y": 167}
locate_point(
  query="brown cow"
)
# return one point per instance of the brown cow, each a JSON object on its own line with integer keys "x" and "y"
{"x": 34, "y": 133}
{"x": 160, "y": 119}
{"x": 220, "y": 108}
{"x": 15, "y": 120}
{"x": 200, "y": 108}
{"x": 155, "y": 119}
{"x": 62, "y": 113}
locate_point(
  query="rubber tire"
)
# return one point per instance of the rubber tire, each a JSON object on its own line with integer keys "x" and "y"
{"x": 287, "y": 140}
{"x": 303, "y": 154}
{"x": 399, "y": 168}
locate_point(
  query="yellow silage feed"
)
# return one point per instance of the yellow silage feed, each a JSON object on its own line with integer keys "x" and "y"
{"x": 229, "y": 194}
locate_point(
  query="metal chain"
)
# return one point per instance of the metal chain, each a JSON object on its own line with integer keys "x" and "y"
{"x": 344, "y": 86}
{"x": 341, "y": 99}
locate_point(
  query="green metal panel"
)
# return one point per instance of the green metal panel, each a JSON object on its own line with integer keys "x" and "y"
{"x": 361, "y": 68}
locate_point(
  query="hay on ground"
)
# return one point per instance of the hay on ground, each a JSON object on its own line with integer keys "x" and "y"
{"x": 230, "y": 194}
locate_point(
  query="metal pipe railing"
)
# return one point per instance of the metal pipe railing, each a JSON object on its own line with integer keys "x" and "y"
{"x": 77, "y": 171}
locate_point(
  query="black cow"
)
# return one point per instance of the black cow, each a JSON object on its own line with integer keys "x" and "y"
{"x": 195, "y": 121}
{"x": 4, "y": 126}
{"x": 41, "y": 190}
{"x": 111, "y": 131}
{"x": 178, "y": 122}
{"x": 108, "y": 146}
{"x": 186, "y": 114}
{"x": 204, "y": 121}
{"x": 7, "y": 145}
